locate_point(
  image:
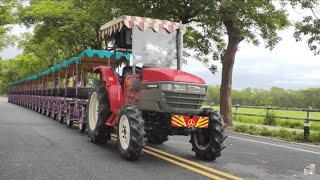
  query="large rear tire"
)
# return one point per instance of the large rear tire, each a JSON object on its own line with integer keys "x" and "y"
{"x": 208, "y": 143}
{"x": 130, "y": 132}
{"x": 98, "y": 112}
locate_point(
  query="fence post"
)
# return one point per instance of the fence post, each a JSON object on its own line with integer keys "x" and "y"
{"x": 307, "y": 124}
{"x": 237, "y": 106}
{"x": 267, "y": 115}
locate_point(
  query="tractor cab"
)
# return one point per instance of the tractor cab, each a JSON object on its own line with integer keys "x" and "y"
{"x": 151, "y": 42}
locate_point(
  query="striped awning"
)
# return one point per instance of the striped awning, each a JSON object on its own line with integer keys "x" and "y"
{"x": 142, "y": 22}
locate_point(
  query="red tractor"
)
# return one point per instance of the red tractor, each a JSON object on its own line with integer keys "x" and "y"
{"x": 151, "y": 98}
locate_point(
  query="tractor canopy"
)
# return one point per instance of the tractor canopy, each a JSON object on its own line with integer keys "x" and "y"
{"x": 153, "y": 42}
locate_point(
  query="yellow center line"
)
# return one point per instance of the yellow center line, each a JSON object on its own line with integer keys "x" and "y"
{"x": 191, "y": 162}
{"x": 180, "y": 164}
{"x": 194, "y": 163}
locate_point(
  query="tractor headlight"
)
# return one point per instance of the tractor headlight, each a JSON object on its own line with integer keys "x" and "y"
{"x": 196, "y": 89}
{"x": 166, "y": 87}
{"x": 180, "y": 87}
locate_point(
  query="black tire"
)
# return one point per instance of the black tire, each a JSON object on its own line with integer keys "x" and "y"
{"x": 54, "y": 116}
{"x": 100, "y": 133}
{"x": 69, "y": 123}
{"x": 48, "y": 114}
{"x": 135, "y": 142}
{"x": 61, "y": 119}
{"x": 208, "y": 143}
{"x": 153, "y": 139}
{"x": 82, "y": 127}
{"x": 68, "y": 117}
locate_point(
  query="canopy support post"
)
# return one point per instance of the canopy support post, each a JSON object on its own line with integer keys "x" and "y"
{"x": 180, "y": 47}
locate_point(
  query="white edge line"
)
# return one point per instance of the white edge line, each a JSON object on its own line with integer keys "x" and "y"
{"x": 297, "y": 149}
{"x": 274, "y": 139}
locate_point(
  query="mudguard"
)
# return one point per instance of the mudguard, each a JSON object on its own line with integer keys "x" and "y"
{"x": 113, "y": 87}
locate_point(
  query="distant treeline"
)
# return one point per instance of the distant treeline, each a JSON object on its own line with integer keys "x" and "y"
{"x": 274, "y": 97}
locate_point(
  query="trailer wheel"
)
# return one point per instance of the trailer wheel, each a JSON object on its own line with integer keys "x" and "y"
{"x": 69, "y": 123}
{"x": 54, "y": 116}
{"x": 208, "y": 143}
{"x": 68, "y": 117}
{"x": 153, "y": 139}
{"x": 130, "y": 132}
{"x": 48, "y": 113}
{"x": 98, "y": 112}
{"x": 82, "y": 127}
{"x": 60, "y": 117}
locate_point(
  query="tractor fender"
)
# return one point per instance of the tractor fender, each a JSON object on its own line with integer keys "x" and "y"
{"x": 113, "y": 87}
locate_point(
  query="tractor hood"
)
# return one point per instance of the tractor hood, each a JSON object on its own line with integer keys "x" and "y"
{"x": 166, "y": 74}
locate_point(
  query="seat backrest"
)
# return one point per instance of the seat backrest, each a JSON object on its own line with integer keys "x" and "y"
{"x": 126, "y": 71}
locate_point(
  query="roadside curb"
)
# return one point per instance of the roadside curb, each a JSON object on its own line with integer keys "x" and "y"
{"x": 263, "y": 137}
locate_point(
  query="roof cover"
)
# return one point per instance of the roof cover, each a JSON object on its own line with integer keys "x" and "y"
{"x": 142, "y": 22}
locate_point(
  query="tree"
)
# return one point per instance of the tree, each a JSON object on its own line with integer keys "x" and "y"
{"x": 19, "y": 67}
{"x": 208, "y": 21}
{"x": 310, "y": 25}
{"x": 6, "y": 18}
{"x": 63, "y": 28}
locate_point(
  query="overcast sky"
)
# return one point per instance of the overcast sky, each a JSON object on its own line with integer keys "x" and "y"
{"x": 290, "y": 65}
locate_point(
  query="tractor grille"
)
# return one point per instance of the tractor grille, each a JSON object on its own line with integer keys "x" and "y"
{"x": 184, "y": 100}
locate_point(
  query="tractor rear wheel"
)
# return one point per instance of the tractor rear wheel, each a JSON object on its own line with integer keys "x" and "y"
{"x": 208, "y": 143}
{"x": 98, "y": 112}
{"x": 130, "y": 132}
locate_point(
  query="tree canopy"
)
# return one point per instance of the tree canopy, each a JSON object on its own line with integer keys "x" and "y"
{"x": 63, "y": 28}
{"x": 6, "y": 18}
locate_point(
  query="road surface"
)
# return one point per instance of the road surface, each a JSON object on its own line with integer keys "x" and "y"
{"x": 33, "y": 146}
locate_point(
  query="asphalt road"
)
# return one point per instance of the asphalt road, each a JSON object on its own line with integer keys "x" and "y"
{"x": 33, "y": 146}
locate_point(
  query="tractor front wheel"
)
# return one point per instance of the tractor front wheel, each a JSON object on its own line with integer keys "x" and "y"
{"x": 208, "y": 143}
{"x": 130, "y": 131}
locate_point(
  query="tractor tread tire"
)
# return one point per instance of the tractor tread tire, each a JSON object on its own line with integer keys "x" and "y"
{"x": 101, "y": 133}
{"x": 217, "y": 136}
{"x": 137, "y": 133}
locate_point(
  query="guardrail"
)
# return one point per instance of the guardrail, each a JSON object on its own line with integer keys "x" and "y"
{"x": 307, "y": 120}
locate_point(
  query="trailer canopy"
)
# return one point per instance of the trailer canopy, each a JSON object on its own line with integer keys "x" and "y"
{"x": 86, "y": 58}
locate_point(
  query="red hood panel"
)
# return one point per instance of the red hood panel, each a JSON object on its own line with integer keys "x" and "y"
{"x": 166, "y": 74}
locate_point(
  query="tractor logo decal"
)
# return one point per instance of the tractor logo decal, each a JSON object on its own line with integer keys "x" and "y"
{"x": 191, "y": 123}
{"x": 187, "y": 121}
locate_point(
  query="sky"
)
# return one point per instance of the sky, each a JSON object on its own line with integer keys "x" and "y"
{"x": 290, "y": 65}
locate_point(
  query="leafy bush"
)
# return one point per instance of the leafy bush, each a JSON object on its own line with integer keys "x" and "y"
{"x": 314, "y": 137}
{"x": 270, "y": 118}
{"x": 241, "y": 128}
{"x": 265, "y": 132}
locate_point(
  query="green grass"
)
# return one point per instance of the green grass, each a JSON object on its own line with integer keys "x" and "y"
{"x": 296, "y": 124}
{"x": 280, "y": 134}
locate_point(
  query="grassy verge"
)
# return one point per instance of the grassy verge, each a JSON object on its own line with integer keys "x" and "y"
{"x": 280, "y": 134}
